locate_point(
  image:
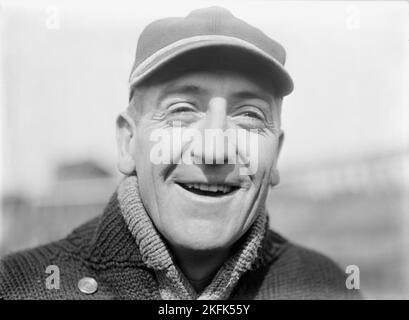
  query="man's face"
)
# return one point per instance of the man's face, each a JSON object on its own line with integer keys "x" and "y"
{"x": 209, "y": 205}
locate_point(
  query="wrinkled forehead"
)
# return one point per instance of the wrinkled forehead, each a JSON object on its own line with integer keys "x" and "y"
{"x": 211, "y": 83}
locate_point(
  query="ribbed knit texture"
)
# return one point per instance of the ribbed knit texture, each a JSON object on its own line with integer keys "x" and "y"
{"x": 155, "y": 254}
{"x": 124, "y": 253}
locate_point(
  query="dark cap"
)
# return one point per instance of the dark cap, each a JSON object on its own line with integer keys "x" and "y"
{"x": 165, "y": 39}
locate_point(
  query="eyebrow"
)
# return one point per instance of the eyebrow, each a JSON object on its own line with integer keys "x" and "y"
{"x": 188, "y": 89}
{"x": 246, "y": 95}
{"x": 191, "y": 89}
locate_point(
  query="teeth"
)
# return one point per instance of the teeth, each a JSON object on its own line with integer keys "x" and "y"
{"x": 211, "y": 188}
{"x": 204, "y": 187}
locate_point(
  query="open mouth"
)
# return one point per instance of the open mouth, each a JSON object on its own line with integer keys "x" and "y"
{"x": 209, "y": 190}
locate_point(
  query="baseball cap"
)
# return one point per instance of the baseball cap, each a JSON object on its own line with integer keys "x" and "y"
{"x": 166, "y": 39}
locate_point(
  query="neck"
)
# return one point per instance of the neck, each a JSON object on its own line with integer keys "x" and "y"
{"x": 199, "y": 267}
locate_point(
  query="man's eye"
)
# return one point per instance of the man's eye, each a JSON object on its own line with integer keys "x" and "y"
{"x": 251, "y": 114}
{"x": 182, "y": 114}
{"x": 181, "y": 108}
{"x": 249, "y": 118}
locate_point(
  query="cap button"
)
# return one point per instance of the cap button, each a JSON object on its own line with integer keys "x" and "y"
{"x": 88, "y": 285}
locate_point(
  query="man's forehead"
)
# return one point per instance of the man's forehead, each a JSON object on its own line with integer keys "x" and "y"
{"x": 204, "y": 82}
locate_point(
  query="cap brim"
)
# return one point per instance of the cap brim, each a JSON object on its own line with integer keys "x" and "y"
{"x": 161, "y": 57}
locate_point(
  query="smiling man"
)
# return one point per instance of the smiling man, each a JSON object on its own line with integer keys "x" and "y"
{"x": 198, "y": 147}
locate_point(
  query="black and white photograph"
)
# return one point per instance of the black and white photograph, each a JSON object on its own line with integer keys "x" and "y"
{"x": 204, "y": 150}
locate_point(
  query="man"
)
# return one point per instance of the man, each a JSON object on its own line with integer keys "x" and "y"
{"x": 198, "y": 146}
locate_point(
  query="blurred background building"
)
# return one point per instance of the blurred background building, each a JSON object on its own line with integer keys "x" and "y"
{"x": 344, "y": 166}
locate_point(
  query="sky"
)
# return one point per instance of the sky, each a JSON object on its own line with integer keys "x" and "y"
{"x": 64, "y": 67}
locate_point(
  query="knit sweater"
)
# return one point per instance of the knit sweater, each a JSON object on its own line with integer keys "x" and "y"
{"x": 129, "y": 259}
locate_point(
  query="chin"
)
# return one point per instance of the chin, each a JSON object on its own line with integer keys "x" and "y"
{"x": 204, "y": 245}
{"x": 202, "y": 240}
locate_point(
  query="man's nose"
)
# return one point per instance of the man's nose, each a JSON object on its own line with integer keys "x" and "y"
{"x": 216, "y": 114}
{"x": 214, "y": 148}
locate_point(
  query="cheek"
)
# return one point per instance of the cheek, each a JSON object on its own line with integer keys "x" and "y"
{"x": 262, "y": 154}
{"x": 148, "y": 170}
{"x": 148, "y": 142}
{"x": 268, "y": 151}
{"x": 151, "y": 164}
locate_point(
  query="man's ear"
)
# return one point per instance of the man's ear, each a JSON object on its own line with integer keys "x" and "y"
{"x": 125, "y": 135}
{"x": 274, "y": 175}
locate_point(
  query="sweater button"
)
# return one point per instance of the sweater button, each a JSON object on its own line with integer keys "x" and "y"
{"x": 88, "y": 285}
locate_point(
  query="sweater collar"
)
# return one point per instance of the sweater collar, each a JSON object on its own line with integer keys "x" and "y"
{"x": 152, "y": 248}
{"x": 156, "y": 255}
{"x": 124, "y": 236}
